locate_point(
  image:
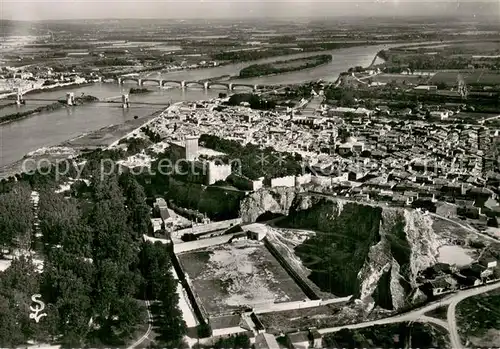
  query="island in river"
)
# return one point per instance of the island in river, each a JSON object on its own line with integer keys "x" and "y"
{"x": 139, "y": 90}
{"x": 284, "y": 66}
{"x": 56, "y": 105}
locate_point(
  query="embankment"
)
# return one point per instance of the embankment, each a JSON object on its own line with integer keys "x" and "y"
{"x": 308, "y": 291}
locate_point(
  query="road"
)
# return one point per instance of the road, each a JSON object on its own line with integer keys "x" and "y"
{"x": 466, "y": 227}
{"x": 418, "y": 315}
{"x": 147, "y": 333}
{"x": 451, "y": 315}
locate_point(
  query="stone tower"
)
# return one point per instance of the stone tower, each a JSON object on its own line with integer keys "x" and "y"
{"x": 191, "y": 143}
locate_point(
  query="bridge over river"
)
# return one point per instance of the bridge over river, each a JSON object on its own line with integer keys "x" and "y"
{"x": 181, "y": 83}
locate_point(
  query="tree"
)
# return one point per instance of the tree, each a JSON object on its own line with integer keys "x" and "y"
{"x": 241, "y": 341}
{"x": 441, "y": 85}
{"x": 17, "y": 284}
{"x": 16, "y": 217}
{"x": 139, "y": 212}
{"x": 161, "y": 286}
{"x": 154, "y": 265}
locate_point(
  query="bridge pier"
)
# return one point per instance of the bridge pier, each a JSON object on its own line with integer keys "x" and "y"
{"x": 183, "y": 84}
{"x": 19, "y": 96}
{"x": 255, "y": 87}
{"x": 161, "y": 83}
{"x": 139, "y": 82}
{"x": 206, "y": 86}
{"x": 230, "y": 87}
{"x": 125, "y": 101}
{"x": 70, "y": 98}
{"x": 119, "y": 81}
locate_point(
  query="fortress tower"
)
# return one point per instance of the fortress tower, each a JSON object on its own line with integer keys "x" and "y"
{"x": 191, "y": 147}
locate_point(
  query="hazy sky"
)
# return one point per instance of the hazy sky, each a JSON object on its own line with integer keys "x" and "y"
{"x": 72, "y": 9}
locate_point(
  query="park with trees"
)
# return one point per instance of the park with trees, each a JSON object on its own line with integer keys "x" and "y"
{"x": 97, "y": 272}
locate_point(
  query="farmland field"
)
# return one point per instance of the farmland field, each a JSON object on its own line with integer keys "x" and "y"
{"x": 400, "y": 79}
{"x": 470, "y": 77}
{"x": 240, "y": 274}
{"x": 479, "y": 320}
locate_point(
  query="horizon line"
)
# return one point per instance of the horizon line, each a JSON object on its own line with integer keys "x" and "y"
{"x": 258, "y": 17}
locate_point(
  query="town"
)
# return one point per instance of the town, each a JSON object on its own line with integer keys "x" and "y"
{"x": 205, "y": 197}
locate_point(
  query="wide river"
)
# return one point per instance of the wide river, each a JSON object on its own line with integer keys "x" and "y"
{"x": 51, "y": 128}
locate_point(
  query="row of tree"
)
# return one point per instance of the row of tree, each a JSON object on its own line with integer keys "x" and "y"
{"x": 96, "y": 269}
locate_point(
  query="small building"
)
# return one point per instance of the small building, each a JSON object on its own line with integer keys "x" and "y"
{"x": 157, "y": 224}
{"x": 345, "y": 149}
{"x": 489, "y": 262}
{"x": 442, "y": 115}
{"x": 229, "y": 325}
{"x": 266, "y": 341}
{"x": 317, "y": 340}
{"x": 256, "y": 231}
{"x": 298, "y": 340}
{"x": 239, "y": 237}
{"x": 441, "y": 286}
{"x": 358, "y": 147}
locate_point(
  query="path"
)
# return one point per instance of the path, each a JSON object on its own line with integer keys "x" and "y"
{"x": 418, "y": 315}
{"x": 466, "y": 227}
{"x": 147, "y": 333}
{"x": 451, "y": 315}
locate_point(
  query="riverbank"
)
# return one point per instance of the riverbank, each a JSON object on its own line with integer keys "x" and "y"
{"x": 106, "y": 136}
{"x": 102, "y": 138}
{"x": 58, "y": 87}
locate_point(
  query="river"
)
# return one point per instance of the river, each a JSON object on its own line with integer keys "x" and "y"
{"x": 51, "y": 128}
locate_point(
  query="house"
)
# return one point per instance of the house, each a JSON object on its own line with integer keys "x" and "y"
{"x": 442, "y": 286}
{"x": 345, "y": 149}
{"x": 487, "y": 260}
{"x": 157, "y": 224}
{"x": 226, "y": 326}
{"x": 255, "y": 231}
{"x": 238, "y": 237}
{"x": 442, "y": 115}
{"x": 298, "y": 340}
{"x": 317, "y": 340}
{"x": 363, "y": 112}
{"x": 476, "y": 270}
{"x": 358, "y": 147}
{"x": 425, "y": 88}
{"x": 266, "y": 341}
{"x": 340, "y": 111}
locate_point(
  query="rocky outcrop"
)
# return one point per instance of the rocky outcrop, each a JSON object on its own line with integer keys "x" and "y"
{"x": 403, "y": 251}
{"x": 423, "y": 240}
{"x": 386, "y": 253}
{"x": 275, "y": 201}
{"x": 378, "y": 262}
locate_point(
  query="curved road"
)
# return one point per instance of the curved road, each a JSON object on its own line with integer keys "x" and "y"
{"x": 418, "y": 315}
{"x": 146, "y": 334}
{"x": 466, "y": 227}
